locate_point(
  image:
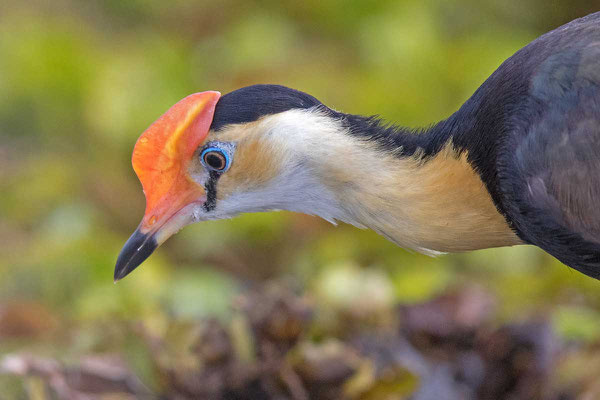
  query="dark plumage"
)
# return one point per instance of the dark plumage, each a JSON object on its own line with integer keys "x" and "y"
{"x": 532, "y": 131}
{"x": 252, "y": 102}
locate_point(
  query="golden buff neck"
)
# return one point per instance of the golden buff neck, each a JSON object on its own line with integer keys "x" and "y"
{"x": 438, "y": 205}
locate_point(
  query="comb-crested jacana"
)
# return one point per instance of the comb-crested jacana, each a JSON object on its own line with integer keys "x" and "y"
{"x": 518, "y": 163}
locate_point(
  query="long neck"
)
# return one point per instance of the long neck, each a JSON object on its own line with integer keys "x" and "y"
{"x": 413, "y": 188}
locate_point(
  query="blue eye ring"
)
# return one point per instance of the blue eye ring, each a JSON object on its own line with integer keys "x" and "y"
{"x": 215, "y": 159}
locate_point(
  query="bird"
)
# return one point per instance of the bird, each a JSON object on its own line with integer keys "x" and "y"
{"x": 517, "y": 163}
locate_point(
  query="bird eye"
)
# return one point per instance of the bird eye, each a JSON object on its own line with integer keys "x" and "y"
{"x": 215, "y": 159}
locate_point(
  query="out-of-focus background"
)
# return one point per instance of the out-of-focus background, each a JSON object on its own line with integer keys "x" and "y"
{"x": 79, "y": 81}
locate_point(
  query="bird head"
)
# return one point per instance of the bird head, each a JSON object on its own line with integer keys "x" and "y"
{"x": 211, "y": 157}
{"x": 268, "y": 147}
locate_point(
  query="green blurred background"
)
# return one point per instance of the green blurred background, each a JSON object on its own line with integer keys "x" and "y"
{"x": 80, "y": 80}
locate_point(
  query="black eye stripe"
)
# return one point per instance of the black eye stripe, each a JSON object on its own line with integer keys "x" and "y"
{"x": 216, "y": 157}
{"x": 211, "y": 191}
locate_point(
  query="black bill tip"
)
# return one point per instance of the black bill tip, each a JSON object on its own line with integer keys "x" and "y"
{"x": 137, "y": 248}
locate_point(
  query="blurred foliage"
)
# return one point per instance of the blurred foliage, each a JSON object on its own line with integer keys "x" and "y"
{"x": 79, "y": 81}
